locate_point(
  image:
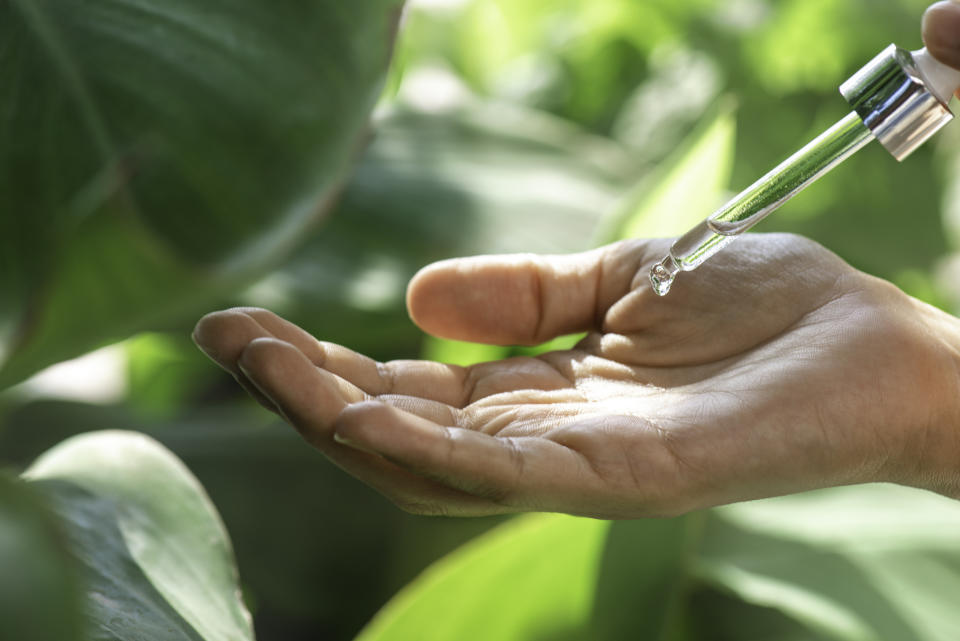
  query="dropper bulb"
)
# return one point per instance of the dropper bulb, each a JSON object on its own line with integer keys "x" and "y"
{"x": 942, "y": 80}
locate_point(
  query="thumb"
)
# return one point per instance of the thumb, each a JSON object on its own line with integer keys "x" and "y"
{"x": 941, "y": 31}
{"x": 525, "y": 299}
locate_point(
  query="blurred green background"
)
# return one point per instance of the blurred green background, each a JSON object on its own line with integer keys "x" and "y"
{"x": 503, "y": 126}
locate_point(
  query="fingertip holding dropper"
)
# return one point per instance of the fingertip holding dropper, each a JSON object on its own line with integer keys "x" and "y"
{"x": 899, "y": 98}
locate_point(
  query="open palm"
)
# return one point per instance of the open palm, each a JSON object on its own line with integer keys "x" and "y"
{"x": 774, "y": 369}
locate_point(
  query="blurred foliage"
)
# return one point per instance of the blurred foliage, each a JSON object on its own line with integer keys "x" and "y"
{"x": 162, "y": 159}
{"x": 686, "y": 188}
{"x": 442, "y": 185}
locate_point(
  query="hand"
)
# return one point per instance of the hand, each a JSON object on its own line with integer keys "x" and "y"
{"x": 941, "y": 32}
{"x": 772, "y": 369}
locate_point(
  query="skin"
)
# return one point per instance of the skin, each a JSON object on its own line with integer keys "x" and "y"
{"x": 941, "y": 32}
{"x": 775, "y": 368}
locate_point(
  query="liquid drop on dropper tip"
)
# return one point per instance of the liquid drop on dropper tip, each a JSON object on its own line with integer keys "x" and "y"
{"x": 662, "y": 275}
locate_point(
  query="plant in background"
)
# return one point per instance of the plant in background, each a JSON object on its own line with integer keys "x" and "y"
{"x": 160, "y": 159}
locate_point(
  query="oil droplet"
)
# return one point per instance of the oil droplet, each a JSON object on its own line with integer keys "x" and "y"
{"x": 662, "y": 275}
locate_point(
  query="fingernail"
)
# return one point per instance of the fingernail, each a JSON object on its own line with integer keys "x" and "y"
{"x": 941, "y": 31}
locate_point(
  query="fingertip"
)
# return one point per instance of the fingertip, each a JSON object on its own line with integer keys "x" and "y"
{"x": 257, "y": 365}
{"x": 429, "y": 295}
{"x": 356, "y": 425}
{"x": 204, "y": 333}
{"x": 263, "y": 356}
{"x": 941, "y": 31}
{"x": 483, "y": 299}
{"x": 223, "y": 334}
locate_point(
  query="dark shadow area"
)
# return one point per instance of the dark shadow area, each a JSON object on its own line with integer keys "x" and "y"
{"x": 720, "y": 616}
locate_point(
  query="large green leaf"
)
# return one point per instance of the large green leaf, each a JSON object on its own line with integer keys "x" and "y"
{"x": 549, "y": 577}
{"x": 39, "y": 591}
{"x": 154, "y": 154}
{"x": 157, "y": 562}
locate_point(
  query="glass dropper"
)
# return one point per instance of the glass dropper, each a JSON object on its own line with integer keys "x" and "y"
{"x": 900, "y": 98}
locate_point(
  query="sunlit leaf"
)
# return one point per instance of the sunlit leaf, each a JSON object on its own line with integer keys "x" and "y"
{"x": 687, "y": 188}
{"x": 459, "y": 352}
{"x": 39, "y": 591}
{"x": 157, "y": 563}
{"x": 154, "y": 154}
{"x": 559, "y": 343}
{"x": 531, "y": 578}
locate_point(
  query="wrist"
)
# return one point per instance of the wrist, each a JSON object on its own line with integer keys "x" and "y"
{"x": 933, "y": 437}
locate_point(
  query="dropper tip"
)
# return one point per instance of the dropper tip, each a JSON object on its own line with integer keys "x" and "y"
{"x": 662, "y": 275}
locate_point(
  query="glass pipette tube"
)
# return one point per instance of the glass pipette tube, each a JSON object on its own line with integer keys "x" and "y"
{"x": 757, "y": 201}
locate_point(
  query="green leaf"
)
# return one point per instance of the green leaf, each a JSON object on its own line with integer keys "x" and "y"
{"x": 687, "y": 188}
{"x": 643, "y": 580}
{"x": 156, "y": 154}
{"x": 531, "y": 578}
{"x": 548, "y": 577}
{"x": 39, "y": 591}
{"x": 866, "y": 563}
{"x": 157, "y": 561}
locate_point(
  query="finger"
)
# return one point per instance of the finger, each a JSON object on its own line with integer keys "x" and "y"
{"x": 425, "y": 379}
{"x": 311, "y": 399}
{"x": 286, "y": 331}
{"x": 525, "y": 299}
{"x": 525, "y": 473}
{"x": 449, "y": 385}
{"x": 223, "y": 336}
{"x": 941, "y": 32}
{"x": 429, "y": 380}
